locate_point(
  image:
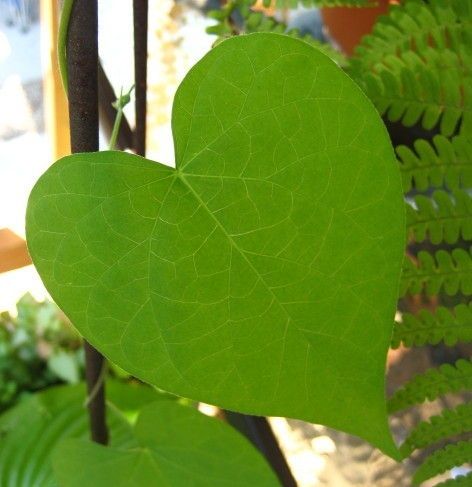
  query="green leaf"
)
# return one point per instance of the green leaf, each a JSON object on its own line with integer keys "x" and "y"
{"x": 451, "y": 422}
{"x": 416, "y": 65}
{"x": 459, "y": 481}
{"x": 30, "y": 431}
{"x": 64, "y": 364}
{"x": 444, "y": 217}
{"x": 433, "y": 383}
{"x": 445, "y": 325}
{"x": 259, "y": 22}
{"x": 262, "y": 274}
{"x": 450, "y": 456}
{"x": 176, "y": 446}
{"x": 442, "y": 162}
{"x": 450, "y": 272}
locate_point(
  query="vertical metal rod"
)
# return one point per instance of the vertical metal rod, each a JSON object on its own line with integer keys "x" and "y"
{"x": 140, "y": 23}
{"x": 82, "y": 64}
{"x": 258, "y": 430}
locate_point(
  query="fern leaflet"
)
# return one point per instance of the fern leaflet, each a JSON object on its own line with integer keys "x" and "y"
{"x": 428, "y": 328}
{"x": 448, "y": 271}
{"x": 444, "y": 162}
{"x": 416, "y": 25}
{"x": 417, "y": 65}
{"x": 460, "y": 481}
{"x": 442, "y": 218}
{"x": 431, "y": 89}
{"x": 432, "y": 384}
{"x": 450, "y": 422}
{"x": 442, "y": 460}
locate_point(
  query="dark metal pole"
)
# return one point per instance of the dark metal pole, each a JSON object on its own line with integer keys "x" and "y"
{"x": 257, "y": 429}
{"x": 82, "y": 64}
{"x": 140, "y": 22}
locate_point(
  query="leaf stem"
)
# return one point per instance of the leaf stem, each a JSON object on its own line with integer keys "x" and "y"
{"x": 62, "y": 41}
{"x": 119, "y": 105}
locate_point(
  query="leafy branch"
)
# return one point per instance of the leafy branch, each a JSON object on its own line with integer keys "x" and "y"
{"x": 415, "y": 25}
{"x": 447, "y": 271}
{"x": 459, "y": 481}
{"x": 432, "y": 384}
{"x": 431, "y": 328}
{"x": 417, "y": 67}
{"x": 450, "y": 422}
{"x": 442, "y": 460}
{"x": 442, "y": 162}
{"x": 444, "y": 217}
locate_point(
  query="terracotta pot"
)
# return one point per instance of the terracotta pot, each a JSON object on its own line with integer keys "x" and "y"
{"x": 347, "y": 25}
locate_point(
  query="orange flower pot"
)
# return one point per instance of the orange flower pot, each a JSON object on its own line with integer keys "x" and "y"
{"x": 347, "y": 25}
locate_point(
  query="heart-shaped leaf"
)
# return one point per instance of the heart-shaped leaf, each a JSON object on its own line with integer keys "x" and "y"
{"x": 176, "y": 446}
{"x": 262, "y": 273}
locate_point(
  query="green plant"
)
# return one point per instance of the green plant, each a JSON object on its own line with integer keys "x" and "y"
{"x": 416, "y": 67}
{"x": 240, "y": 277}
{"x": 45, "y": 435}
{"x": 38, "y": 348}
{"x": 255, "y": 21}
{"x": 232, "y": 279}
{"x": 163, "y": 432}
{"x": 261, "y": 274}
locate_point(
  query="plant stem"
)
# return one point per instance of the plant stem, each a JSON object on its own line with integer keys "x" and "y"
{"x": 119, "y": 105}
{"x": 82, "y": 69}
{"x": 62, "y": 41}
{"x": 107, "y": 113}
{"x": 116, "y": 129}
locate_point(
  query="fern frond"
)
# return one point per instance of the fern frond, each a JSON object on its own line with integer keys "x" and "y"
{"x": 417, "y": 66}
{"x": 259, "y": 22}
{"x": 460, "y": 481}
{"x": 444, "y": 162}
{"x": 441, "y": 460}
{"x": 435, "y": 88}
{"x": 425, "y": 327}
{"x": 447, "y": 271}
{"x": 416, "y": 25}
{"x": 442, "y": 218}
{"x": 449, "y": 423}
{"x": 432, "y": 384}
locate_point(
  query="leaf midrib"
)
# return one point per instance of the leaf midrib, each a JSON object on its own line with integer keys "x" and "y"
{"x": 182, "y": 178}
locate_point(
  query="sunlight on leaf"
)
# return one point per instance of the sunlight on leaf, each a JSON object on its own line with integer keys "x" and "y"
{"x": 262, "y": 274}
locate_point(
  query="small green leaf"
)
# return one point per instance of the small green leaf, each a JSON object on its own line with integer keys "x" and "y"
{"x": 65, "y": 365}
{"x": 176, "y": 446}
{"x": 262, "y": 274}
